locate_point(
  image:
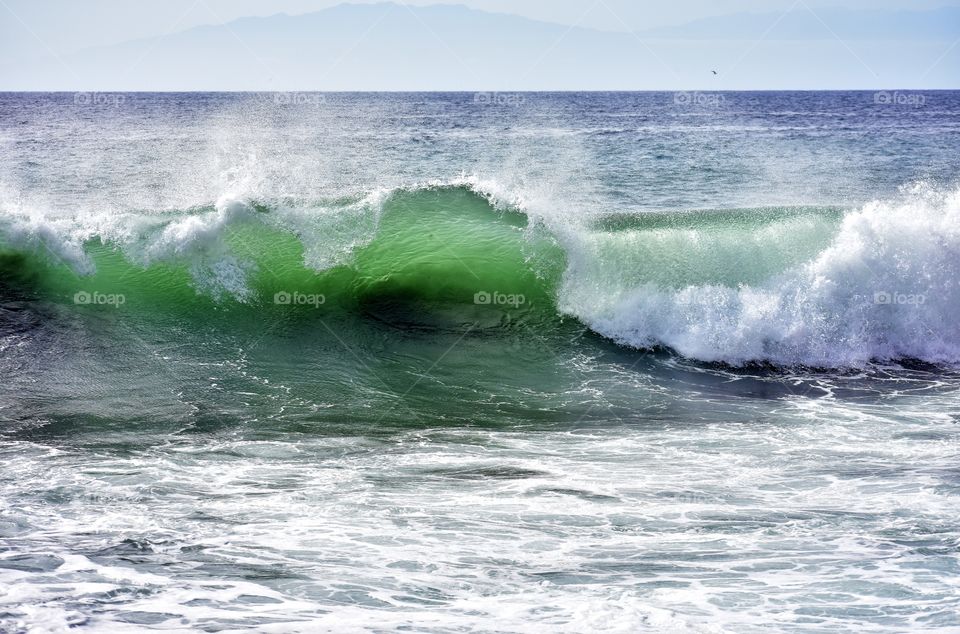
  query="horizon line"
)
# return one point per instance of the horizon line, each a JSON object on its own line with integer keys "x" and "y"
{"x": 473, "y": 92}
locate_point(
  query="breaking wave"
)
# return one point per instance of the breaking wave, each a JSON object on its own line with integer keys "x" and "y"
{"x": 809, "y": 286}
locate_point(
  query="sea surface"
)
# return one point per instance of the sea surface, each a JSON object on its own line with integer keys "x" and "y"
{"x": 492, "y": 362}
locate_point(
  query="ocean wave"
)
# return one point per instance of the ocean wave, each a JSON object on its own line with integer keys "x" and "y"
{"x": 817, "y": 287}
{"x": 884, "y": 287}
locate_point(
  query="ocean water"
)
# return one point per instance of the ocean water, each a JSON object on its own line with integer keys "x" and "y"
{"x": 499, "y": 362}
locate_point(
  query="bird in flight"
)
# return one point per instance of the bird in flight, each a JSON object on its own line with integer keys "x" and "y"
{"x": 714, "y": 72}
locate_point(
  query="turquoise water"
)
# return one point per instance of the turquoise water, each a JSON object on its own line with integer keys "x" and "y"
{"x": 597, "y": 362}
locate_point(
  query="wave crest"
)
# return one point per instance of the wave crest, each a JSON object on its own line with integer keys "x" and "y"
{"x": 884, "y": 288}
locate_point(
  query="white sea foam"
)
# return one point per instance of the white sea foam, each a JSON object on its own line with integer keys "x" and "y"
{"x": 816, "y": 508}
{"x": 25, "y": 225}
{"x": 884, "y": 288}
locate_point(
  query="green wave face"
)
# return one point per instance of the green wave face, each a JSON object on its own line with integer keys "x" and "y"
{"x": 437, "y": 257}
{"x": 683, "y": 248}
{"x": 447, "y": 257}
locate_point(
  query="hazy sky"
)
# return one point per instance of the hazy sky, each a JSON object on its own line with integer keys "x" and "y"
{"x": 771, "y": 44}
{"x": 33, "y": 27}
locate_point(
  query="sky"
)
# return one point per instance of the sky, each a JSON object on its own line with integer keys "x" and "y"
{"x": 33, "y": 27}
{"x": 32, "y": 30}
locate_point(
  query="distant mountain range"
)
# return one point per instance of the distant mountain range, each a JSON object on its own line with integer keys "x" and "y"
{"x": 390, "y": 46}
